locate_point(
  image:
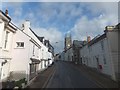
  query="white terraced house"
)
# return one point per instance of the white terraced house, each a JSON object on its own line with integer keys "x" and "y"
{"x": 29, "y": 54}
{"x": 102, "y": 52}
{"x": 7, "y": 30}
{"x": 22, "y": 54}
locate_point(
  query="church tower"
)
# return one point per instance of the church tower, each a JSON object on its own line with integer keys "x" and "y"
{"x": 68, "y": 41}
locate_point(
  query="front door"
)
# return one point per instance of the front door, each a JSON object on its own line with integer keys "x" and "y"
{"x": 0, "y": 71}
{"x": 97, "y": 61}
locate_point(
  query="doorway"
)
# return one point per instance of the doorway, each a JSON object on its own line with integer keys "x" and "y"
{"x": 97, "y": 63}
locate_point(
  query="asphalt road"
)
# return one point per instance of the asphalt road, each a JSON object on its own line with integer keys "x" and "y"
{"x": 67, "y": 76}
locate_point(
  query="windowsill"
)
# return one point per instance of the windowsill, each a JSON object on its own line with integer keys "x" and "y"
{"x": 19, "y": 48}
{"x": 32, "y": 72}
{"x": 5, "y": 50}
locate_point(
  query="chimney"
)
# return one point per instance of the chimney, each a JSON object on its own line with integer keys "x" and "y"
{"x": 88, "y": 38}
{"x": 26, "y": 26}
{"x": 27, "y": 22}
{"x": 109, "y": 28}
{"x": 6, "y": 12}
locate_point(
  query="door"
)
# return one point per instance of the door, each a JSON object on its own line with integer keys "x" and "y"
{"x": 97, "y": 61}
{"x": 0, "y": 70}
{"x": 0, "y": 75}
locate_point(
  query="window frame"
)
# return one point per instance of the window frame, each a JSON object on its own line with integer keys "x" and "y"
{"x": 104, "y": 60}
{"x": 102, "y": 45}
{"x": 6, "y": 39}
{"x": 19, "y": 45}
{"x": 33, "y": 50}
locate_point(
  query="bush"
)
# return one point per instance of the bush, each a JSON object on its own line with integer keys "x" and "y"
{"x": 19, "y": 83}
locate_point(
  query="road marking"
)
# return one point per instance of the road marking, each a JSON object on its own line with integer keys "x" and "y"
{"x": 49, "y": 78}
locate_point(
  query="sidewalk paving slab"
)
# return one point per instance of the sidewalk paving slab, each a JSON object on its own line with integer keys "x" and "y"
{"x": 42, "y": 78}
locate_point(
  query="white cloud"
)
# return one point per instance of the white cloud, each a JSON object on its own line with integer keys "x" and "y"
{"x": 18, "y": 12}
{"x": 59, "y": 11}
{"x": 0, "y": 5}
{"x": 106, "y": 7}
{"x": 75, "y": 0}
{"x": 108, "y": 15}
{"x": 96, "y": 25}
{"x": 52, "y": 34}
{"x": 68, "y": 10}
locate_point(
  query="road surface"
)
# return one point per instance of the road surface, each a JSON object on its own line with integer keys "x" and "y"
{"x": 67, "y": 76}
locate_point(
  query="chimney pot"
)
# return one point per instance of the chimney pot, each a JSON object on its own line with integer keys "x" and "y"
{"x": 109, "y": 27}
{"x": 6, "y": 12}
{"x": 88, "y": 38}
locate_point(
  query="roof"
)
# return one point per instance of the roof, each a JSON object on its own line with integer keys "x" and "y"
{"x": 35, "y": 34}
{"x": 100, "y": 37}
{"x": 13, "y": 26}
{"x": 46, "y": 41}
{"x": 51, "y": 46}
{"x": 36, "y": 61}
{"x": 117, "y": 26}
{"x": 77, "y": 43}
{"x": 41, "y": 38}
{"x": 97, "y": 39}
{"x": 68, "y": 49}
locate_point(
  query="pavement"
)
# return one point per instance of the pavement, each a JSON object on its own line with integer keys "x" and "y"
{"x": 41, "y": 80}
{"x": 103, "y": 80}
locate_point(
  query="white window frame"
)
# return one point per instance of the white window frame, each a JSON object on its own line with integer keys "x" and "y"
{"x": 33, "y": 50}
{"x": 6, "y": 39}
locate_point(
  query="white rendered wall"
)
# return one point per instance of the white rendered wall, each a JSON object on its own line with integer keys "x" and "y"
{"x": 89, "y": 53}
{"x": 20, "y": 61}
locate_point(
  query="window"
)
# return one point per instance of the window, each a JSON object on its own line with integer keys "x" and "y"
{"x": 33, "y": 50}
{"x": 102, "y": 45}
{"x": 32, "y": 68}
{"x": 20, "y": 44}
{"x": 90, "y": 48}
{"x": 6, "y": 39}
{"x": 104, "y": 59}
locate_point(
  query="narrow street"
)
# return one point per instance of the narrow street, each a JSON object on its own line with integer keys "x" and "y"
{"x": 67, "y": 76}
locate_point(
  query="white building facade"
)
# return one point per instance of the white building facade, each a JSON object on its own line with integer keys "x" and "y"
{"x": 7, "y": 30}
{"x": 102, "y": 53}
{"x": 68, "y": 54}
{"x": 62, "y": 56}
{"x": 28, "y": 52}
{"x": 22, "y": 54}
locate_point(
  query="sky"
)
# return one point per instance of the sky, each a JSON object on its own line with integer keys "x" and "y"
{"x": 54, "y": 19}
